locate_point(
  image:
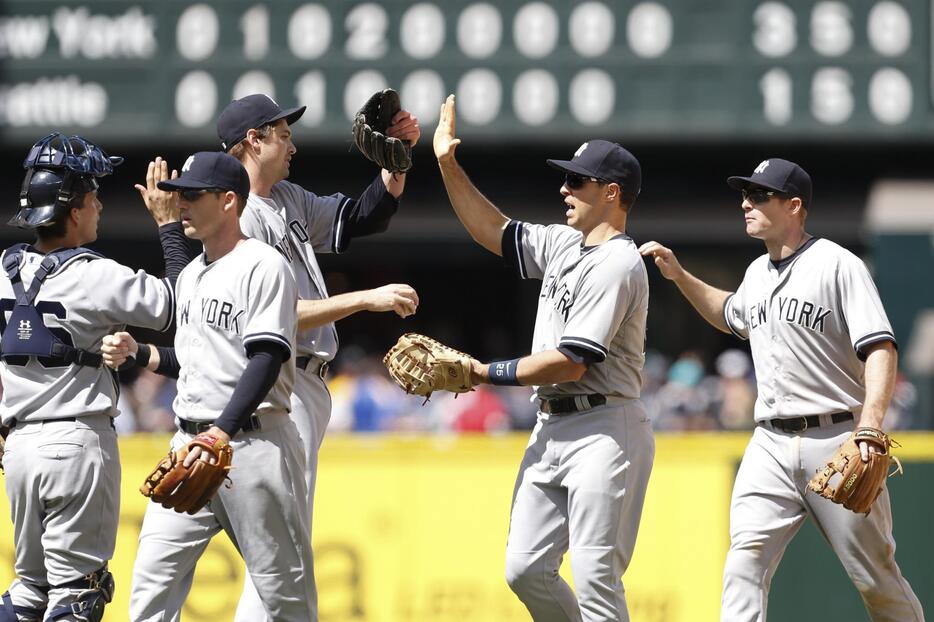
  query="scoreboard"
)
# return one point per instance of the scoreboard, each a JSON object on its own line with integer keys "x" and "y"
{"x": 651, "y": 70}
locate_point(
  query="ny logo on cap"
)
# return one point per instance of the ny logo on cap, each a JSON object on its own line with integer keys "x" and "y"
{"x": 580, "y": 150}
{"x": 761, "y": 168}
{"x": 187, "y": 166}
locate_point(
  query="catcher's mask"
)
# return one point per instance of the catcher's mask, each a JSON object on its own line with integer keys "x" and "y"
{"x": 58, "y": 169}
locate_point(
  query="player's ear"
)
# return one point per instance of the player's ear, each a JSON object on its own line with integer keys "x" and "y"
{"x": 795, "y": 206}
{"x": 612, "y": 191}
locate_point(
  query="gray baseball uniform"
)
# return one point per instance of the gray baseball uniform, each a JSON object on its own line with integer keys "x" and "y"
{"x": 583, "y": 479}
{"x": 245, "y": 296}
{"x": 298, "y": 224}
{"x": 62, "y": 464}
{"x": 809, "y": 319}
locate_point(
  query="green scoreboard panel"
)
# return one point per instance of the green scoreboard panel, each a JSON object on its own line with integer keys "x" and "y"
{"x": 665, "y": 70}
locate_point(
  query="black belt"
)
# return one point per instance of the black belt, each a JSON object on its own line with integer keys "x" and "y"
{"x": 13, "y": 422}
{"x": 793, "y": 425}
{"x": 571, "y": 403}
{"x": 197, "y": 427}
{"x": 313, "y": 364}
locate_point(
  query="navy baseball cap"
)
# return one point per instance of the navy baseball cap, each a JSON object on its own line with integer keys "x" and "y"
{"x": 252, "y": 111}
{"x": 605, "y": 161}
{"x": 210, "y": 169}
{"x": 779, "y": 175}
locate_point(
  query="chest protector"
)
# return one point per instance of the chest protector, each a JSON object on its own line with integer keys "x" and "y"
{"x": 26, "y": 333}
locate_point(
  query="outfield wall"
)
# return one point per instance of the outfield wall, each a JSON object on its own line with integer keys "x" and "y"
{"x": 413, "y": 529}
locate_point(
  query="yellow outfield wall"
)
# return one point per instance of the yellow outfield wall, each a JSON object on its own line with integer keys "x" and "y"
{"x": 413, "y": 529}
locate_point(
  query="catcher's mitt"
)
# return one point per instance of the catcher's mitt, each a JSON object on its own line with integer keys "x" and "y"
{"x": 189, "y": 489}
{"x": 859, "y": 483}
{"x": 421, "y": 365}
{"x": 369, "y": 133}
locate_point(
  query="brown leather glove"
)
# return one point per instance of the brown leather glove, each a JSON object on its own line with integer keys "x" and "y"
{"x": 851, "y": 482}
{"x": 189, "y": 489}
{"x": 421, "y": 365}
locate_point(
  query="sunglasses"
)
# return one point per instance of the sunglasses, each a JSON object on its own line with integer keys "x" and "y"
{"x": 760, "y": 195}
{"x": 191, "y": 195}
{"x": 576, "y": 182}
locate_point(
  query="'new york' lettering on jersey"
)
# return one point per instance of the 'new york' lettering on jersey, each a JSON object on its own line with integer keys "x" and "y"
{"x": 593, "y": 300}
{"x": 246, "y": 296}
{"x": 808, "y": 319}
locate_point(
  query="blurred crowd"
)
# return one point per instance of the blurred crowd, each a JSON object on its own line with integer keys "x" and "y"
{"x": 681, "y": 394}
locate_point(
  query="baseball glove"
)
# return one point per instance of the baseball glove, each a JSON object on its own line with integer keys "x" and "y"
{"x": 369, "y": 133}
{"x": 421, "y": 365}
{"x": 189, "y": 489}
{"x": 859, "y": 483}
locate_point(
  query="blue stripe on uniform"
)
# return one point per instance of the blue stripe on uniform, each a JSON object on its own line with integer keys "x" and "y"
{"x": 268, "y": 337}
{"x": 587, "y": 344}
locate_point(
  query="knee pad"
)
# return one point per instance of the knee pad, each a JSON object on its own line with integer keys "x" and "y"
{"x": 17, "y": 613}
{"x": 88, "y": 605}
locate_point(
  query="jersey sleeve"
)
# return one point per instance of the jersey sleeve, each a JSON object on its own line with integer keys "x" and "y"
{"x": 128, "y": 297}
{"x": 326, "y": 216}
{"x": 734, "y": 312}
{"x": 861, "y": 307}
{"x": 528, "y": 248}
{"x": 272, "y": 295}
{"x": 601, "y": 303}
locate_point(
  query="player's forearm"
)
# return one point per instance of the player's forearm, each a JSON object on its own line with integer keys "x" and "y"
{"x": 541, "y": 368}
{"x": 480, "y": 217}
{"x": 395, "y": 182}
{"x": 881, "y": 367}
{"x": 314, "y": 313}
{"x": 708, "y": 300}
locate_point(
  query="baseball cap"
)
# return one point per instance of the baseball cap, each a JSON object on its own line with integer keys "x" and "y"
{"x": 252, "y": 111}
{"x": 606, "y": 161}
{"x": 210, "y": 169}
{"x": 778, "y": 175}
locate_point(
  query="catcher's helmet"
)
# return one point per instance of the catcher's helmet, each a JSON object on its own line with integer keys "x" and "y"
{"x": 58, "y": 168}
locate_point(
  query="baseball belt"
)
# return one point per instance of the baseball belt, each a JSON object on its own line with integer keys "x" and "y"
{"x": 13, "y": 422}
{"x": 314, "y": 365}
{"x": 571, "y": 403}
{"x": 197, "y": 427}
{"x": 794, "y": 425}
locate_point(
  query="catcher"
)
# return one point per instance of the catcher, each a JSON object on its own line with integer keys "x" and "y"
{"x": 233, "y": 357}
{"x": 825, "y": 362}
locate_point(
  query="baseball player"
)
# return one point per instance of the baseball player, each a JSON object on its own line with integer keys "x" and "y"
{"x": 825, "y": 361}
{"x": 299, "y": 223}
{"x": 58, "y": 300}
{"x": 233, "y": 357}
{"x": 582, "y": 481}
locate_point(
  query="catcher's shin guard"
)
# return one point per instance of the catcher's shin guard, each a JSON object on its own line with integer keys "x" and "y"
{"x": 88, "y": 605}
{"x": 18, "y": 613}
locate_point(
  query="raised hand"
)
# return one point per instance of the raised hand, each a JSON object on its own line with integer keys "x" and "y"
{"x": 161, "y": 204}
{"x": 404, "y": 127}
{"x": 444, "y": 141}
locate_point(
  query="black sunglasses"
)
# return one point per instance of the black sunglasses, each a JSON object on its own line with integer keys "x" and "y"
{"x": 576, "y": 182}
{"x": 760, "y": 195}
{"x": 192, "y": 195}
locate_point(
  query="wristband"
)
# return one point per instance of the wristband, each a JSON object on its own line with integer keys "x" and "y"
{"x": 504, "y": 373}
{"x": 143, "y": 353}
